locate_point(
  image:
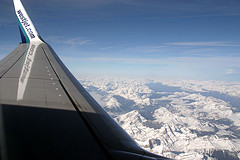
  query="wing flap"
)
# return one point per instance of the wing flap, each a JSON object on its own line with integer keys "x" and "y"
{"x": 12, "y": 58}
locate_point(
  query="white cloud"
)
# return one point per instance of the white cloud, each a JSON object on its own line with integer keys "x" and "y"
{"x": 230, "y": 71}
{"x": 213, "y": 44}
{"x": 165, "y": 7}
{"x": 121, "y": 60}
{"x": 200, "y": 51}
{"x": 77, "y": 41}
{"x": 145, "y": 49}
{"x": 106, "y": 48}
{"x": 230, "y": 62}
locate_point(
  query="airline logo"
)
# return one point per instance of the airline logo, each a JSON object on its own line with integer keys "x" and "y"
{"x": 26, "y": 70}
{"x": 28, "y": 63}
{"x": 25, "y": 23}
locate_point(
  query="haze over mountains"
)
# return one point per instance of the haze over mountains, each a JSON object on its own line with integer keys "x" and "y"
{"x": 183, "y": 119}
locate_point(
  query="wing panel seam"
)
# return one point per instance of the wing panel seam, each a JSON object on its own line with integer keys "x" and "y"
{"x": 98, "y": 141}
{"x": 11, "y": 65}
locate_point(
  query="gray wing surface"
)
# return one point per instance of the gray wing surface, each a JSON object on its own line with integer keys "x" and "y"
{"x": 45, "y": 113}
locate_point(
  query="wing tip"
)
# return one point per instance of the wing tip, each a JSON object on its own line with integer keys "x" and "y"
{"x": 28, "y": 31}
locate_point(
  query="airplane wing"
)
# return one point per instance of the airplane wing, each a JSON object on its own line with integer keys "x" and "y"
{"x": 45, "y": 113}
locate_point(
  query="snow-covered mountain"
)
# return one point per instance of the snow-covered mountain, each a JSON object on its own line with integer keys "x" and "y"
{"x": 178, "y": 119}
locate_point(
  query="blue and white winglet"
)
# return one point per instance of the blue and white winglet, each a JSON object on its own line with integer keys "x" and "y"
{"x": 29, "y": 35}
{"x": 27, "y": 29}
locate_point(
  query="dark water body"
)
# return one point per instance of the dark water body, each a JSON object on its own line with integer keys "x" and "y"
{"x": 147, "y": 112}
{"x": 129, "y": 105}
{"x": 159, "y": 87}
{"x": 126, "y": 104}
{"x": 234, "y": 101}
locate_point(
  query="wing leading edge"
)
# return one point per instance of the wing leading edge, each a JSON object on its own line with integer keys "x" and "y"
{"x": 45, "y": 113}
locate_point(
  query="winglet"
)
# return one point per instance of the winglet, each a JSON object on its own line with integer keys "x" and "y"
{"x": 27, "y": 29}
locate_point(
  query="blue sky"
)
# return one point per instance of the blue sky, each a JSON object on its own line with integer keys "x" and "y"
{"x": 183, "y": 39}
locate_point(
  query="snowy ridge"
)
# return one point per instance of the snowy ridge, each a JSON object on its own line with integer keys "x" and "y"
{"x": 128, "y": 89}
{"x": 180, "y": 123}
{"x": 229, "y": 88}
